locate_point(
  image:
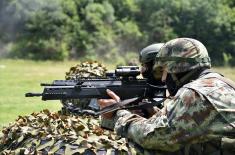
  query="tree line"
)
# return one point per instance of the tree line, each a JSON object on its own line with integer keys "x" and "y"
{"x": 109, "y": 29}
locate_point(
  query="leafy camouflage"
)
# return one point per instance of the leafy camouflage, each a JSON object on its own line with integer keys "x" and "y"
{"x": 183, "y": 54}
{"x": 202, "y": 112}
{"x": 53, "y": 133}
{"x": 88, "y": 69}
{"x": 91, "y": 69}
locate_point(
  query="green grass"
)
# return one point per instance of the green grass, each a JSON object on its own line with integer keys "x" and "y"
{"x": 18, "y": 77}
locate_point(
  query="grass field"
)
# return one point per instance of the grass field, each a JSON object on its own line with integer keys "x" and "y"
{"x": 18, "y": 77}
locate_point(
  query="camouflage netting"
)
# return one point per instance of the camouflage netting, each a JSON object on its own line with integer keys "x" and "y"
{"x": 63, "y": 132}
{"x": 84, "y": 70}
{"x": 53, "y": 133}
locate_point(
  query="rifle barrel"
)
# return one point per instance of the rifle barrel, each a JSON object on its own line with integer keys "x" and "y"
{"x": 46, "y": 84}
{"x": 33, "y": 94}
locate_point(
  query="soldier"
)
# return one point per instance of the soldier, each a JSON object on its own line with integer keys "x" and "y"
{"x": 200, "y": 117}
{"x": 146, "y": 58}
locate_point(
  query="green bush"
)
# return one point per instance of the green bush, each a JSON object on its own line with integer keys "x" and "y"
{"x": 41, "y": 50}
{"x": 89, "y": 29}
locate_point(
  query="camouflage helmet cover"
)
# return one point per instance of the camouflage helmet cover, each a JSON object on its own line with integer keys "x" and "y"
{"x": 182, "y": 54}
{"x": 149, "y": 53}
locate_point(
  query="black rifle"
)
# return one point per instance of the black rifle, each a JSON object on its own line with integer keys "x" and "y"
{"x": 123, "y": 82}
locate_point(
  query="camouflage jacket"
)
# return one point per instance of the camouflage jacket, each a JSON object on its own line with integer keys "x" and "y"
{"x": 201, "y": 111}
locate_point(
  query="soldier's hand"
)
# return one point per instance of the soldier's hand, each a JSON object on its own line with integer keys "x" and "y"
{"x": 106, "y": 102}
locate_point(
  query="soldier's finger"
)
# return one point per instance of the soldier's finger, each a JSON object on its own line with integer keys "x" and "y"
{"x": 113, "y": 95}
{"x": 106, "y": 102}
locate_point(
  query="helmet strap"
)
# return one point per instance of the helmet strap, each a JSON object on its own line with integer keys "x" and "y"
{"x": 181, "y": 81}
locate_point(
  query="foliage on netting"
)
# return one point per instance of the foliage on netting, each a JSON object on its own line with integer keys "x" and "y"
{"x": 52, "y": 132}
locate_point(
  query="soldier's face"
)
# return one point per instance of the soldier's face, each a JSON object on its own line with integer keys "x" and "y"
{"x": 160, "y": 72}
{"x": 143, "y": 68}
{"x": 146, "y": 70}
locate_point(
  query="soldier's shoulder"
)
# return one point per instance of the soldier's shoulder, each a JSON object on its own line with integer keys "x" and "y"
{"x": 207, "y": 84}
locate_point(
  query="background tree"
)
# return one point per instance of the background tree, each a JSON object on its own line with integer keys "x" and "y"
{"x": 89, "y": 29}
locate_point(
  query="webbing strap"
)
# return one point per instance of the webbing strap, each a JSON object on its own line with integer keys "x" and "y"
{"x": 182, "y": 59}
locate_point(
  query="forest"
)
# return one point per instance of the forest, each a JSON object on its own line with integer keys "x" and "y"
{"x": 113, "y": 30}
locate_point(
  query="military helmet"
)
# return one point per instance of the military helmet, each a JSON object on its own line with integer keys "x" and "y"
{"x": 149, "y": 53}
{"x": 183, "y": 54}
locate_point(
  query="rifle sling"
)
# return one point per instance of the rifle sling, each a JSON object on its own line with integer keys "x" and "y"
{"x": 118, "y": 105}
{"x": 121, "y": 105}
{"x": 144, "y": 105}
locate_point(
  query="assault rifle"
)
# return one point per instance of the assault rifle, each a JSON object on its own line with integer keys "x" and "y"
{"x": 123, "y": 82}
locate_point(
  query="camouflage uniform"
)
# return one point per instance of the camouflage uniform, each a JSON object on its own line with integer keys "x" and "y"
{"x": 199, "y": 119}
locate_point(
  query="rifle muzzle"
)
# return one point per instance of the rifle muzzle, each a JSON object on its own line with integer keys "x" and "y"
{"x": 33, "y": 94}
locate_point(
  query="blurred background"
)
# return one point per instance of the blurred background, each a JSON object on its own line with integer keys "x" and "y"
{"x": 40, "y": 39}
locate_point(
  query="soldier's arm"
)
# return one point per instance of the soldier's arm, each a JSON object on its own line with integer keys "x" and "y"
{"x": 185, "y": 121}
